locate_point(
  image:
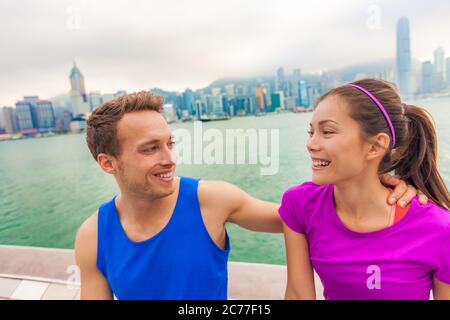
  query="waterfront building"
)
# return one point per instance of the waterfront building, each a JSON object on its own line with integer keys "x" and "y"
{"x": 404, "y": 73}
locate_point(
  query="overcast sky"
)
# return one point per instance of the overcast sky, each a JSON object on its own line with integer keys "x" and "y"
{"x": 174, "y": 44}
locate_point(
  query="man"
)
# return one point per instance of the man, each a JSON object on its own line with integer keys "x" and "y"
{"x": 162, "y": 237}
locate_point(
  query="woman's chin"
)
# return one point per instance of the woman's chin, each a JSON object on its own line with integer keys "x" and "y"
{"x": 320, "y": 180}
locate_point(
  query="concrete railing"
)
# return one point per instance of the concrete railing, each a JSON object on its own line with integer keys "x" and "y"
{"x": 45, "y": 273}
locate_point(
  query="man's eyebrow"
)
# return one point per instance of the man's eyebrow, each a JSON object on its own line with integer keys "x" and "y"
{"x": 323, "y": 121}
{"x": 155, "y": 141}
{"x": 149, "y": 142}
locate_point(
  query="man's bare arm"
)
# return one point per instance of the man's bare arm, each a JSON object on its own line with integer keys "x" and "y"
{"x": 94, "y": 286}
{"x": 237, "y": 206}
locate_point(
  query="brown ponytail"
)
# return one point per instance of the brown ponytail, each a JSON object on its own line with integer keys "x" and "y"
{"x": 414, "y": 158}
{"x": 417, "y": 158}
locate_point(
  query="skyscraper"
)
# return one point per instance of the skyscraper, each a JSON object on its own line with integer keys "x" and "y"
{"x": 229, "y": 88}
{"x": 77, "y": 82}
{"x": 261, "y": 101}
{"x": 439, "y": 60}
{"x": 207, "y": 103}
{"x": 217, "y": 105}
{"x": 447, "y": 71}
{"x": 169, "y": 112}
{"x": 241, "y": 90}
{"x": 427, "y": 77}
{"x": 281, "y": 84}
{"x": 35, "y": 113}
{"x": 199, "y": 109}
{"x": 26, "y": 115}
{"x": 95, "y": 100}
{"x": 296, "y": 76}
{"x": 10, "y": 124}
{"x": 77, "y": 104}
{"x": 277, "y": 100}
{"x": 189, "y": 101}
{"x": 242, "y": 105}
{"x": 45, "y": 115}
{"x": 267, "y": 90}
{"x": 403, "y": 57}
{"x": 303, "y": 99}
{"x": 439, "y": 69}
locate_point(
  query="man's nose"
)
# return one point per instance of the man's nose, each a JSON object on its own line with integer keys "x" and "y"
{"x": 169, "y": 157}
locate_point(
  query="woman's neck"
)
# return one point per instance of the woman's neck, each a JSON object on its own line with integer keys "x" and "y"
{"x": 362, "y": 197}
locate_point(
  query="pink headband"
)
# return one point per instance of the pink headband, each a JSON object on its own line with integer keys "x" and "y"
{"x": 380, "y": 106}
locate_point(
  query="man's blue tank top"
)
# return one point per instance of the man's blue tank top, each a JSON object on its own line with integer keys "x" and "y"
{"x": 181, "y": 262}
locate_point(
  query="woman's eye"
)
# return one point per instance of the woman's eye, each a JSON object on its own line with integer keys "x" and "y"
{"x": 310, "y": 133}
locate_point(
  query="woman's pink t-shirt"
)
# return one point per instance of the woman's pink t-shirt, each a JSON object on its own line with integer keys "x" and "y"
{"x": 397, "y": 262}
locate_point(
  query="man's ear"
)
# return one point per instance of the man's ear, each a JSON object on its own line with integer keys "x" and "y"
{"x": 378, "y": 146}
{"x": 107, "y": 163}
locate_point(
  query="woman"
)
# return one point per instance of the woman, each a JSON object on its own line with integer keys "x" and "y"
{"x": 340, "y": 224}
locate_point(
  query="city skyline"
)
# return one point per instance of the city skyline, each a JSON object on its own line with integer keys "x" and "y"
{"x": 203, "y": 44}
{"x": 223, "y": 99}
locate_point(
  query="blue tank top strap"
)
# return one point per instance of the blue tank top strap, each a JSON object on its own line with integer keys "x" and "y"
{"x": 189, "y": 213}
{"x": 189, "y": 206}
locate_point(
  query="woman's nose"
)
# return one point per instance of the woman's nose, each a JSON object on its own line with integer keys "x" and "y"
{"x": 312, "y": 144}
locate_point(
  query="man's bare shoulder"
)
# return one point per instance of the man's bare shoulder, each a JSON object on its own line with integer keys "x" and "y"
{"x": 93, "y": 283}
{"x": 88, "y": 228}
{"x": 212, "y": 189}
{"x": 86, "y": 238}
{"x": 220, "y": 194}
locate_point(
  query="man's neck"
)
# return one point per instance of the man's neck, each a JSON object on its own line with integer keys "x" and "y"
{"x": 138, "y": 209}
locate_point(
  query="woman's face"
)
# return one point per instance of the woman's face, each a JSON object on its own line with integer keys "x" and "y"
{"x": 337, "y": 150}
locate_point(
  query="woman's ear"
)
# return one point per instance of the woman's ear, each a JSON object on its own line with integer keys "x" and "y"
{"x": 378, "y": 146}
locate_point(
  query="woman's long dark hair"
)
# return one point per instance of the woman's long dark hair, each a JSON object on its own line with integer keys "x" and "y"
{"x": 414, "y": 158}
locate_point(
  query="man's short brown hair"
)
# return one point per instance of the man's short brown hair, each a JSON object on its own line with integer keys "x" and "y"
{"x": 101, "y": 133}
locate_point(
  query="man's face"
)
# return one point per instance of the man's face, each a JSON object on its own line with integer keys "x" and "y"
{"x": 146, "y": 164}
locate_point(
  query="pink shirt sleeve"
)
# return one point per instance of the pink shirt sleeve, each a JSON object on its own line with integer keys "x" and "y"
{"x": 289, "y": 212}
{"x": 443, "y": 270}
